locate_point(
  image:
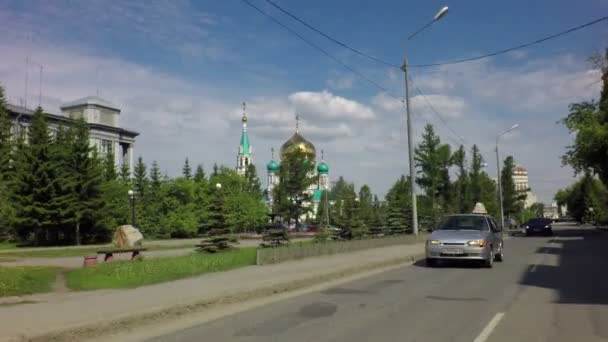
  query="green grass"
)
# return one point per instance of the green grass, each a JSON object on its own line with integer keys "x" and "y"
{"x": 43, "y": 252}
{"x": 128, "y": 274}
{"x": 7, "y": 245}
{"x": 16, "y": 281}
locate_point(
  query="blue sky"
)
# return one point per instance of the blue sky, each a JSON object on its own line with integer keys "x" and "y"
{"x": 180, "y": 69}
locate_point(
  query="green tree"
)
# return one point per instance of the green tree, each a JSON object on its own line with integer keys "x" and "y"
{"x": 462, "y": 186}
{"x": 399, "y": 205}
{"x": 125, "y": 172}
{"x": 366, "y": 210}
{"x": 433, "y": 160}
{"x": 245, "y": 212}
{"x": 34, "y": 183}
{"x": 199, "y": 174}
{"x": 140, "y": 178}
{"x": 6, "y": 145}
{"x": 109, "y": 166}
{"x": 83, "y": 180}
{"x": 588, "y": 121}
{"x": 154, "y": 204}
{"x": 538, "y": 209}
{"x": 294, "y": 178}
{"x": 252, "y": 183}
{"x": 187, "y": 170}
{"x": 475, "y": 175}
{"x": 323, "y": 216}
{"x": 509, "y": 195}
{"x": 561, "y": 197}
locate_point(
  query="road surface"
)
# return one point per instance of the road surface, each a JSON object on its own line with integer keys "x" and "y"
{"x": 547, "y": 289}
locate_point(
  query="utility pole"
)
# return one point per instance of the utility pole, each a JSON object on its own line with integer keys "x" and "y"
{"x": 410, "y": 146}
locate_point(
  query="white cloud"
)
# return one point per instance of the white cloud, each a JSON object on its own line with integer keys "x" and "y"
{"x": 387, "y": 103}
{"x": 451, "y": 107}
{"x": 327, "y": 106}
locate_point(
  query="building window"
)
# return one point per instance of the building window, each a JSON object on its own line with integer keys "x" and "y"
{"x": 107, "y": 146}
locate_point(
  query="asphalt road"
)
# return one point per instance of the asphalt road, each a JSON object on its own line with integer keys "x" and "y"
{"x": 547, "y": 289}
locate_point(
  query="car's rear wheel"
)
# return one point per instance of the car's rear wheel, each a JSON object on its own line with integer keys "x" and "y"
{"x": 500, "y": 256}
{"x": 430, "y": 262}
{"x": 489, "y": 262}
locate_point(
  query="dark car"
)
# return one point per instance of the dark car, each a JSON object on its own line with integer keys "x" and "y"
{"x": 541, "y": 226}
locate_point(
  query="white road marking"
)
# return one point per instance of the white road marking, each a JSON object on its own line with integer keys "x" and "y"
{"x": 487, "y": 331}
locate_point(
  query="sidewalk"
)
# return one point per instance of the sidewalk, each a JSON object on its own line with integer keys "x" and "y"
{"x": 74, "y": 316}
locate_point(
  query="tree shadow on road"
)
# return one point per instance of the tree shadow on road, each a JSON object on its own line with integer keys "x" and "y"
{"x": 581, "y": 276}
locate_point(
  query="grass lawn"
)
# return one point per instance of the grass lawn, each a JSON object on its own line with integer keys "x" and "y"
{"x": 43, "y": 252}
{"x": 127, "y": 274}
{"x": 7, "y": 245}
{"x": 25, "y": 280}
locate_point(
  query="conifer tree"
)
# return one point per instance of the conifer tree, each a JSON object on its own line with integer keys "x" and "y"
{"x": 187, "y": 170}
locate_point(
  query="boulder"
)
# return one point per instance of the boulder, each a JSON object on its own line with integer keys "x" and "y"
{"x": 127, "y": 237}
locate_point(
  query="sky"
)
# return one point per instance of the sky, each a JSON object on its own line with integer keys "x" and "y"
{"x": 180, "y": 69}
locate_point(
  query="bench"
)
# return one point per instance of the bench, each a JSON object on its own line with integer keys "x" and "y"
{"x": 109, "y": 253}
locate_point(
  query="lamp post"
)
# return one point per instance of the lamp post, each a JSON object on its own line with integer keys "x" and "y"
{"x": 502, "y": 214}
{"x": 132, "y": 199}
{"x": 442, "y": 12}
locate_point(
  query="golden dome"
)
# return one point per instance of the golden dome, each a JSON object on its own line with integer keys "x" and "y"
{"x": 297, "y": 142}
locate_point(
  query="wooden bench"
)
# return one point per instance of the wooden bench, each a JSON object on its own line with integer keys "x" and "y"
{"x": 109, "y": 253}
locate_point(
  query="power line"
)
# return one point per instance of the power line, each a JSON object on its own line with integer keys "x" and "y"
{"x": 525, "y": 45}
{"x": 432, "y": 108}
{"x": 320, "y": 49}
{"x": 344, "y": 45}
{"x": 457, "y": 61}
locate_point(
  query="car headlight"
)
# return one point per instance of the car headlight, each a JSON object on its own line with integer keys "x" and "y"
{"x": 476, "y": 243}
{"x": 433, "y": 242}
{"x": 527, "y": 227}
{"x": 547, "y": 226}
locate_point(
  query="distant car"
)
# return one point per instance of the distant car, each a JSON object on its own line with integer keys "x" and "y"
{"x": 466, "y": 237}
{"x": 543, "y": 226}
{"x": 312, "y": 229}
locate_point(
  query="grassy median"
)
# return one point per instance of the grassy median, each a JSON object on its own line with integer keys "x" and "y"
{"x": 16, "y": 281}
{"x": 45, "y": 252}
{"x": 128, "y": 274}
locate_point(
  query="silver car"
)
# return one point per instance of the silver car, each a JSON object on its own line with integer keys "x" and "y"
{"x": 466, "y": 237}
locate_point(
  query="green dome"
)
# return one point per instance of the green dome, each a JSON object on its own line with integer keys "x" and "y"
{"x": 323, "y": 168}
{"x": 273, "y": 166}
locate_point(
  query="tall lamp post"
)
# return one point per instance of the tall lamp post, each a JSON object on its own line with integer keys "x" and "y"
{"x": 502, "y": 214}
{"x": 410, "y": 145}
{"x": 132, "y": 199}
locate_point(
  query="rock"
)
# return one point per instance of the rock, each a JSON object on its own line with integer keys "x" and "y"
{"x": 127, "y": 237}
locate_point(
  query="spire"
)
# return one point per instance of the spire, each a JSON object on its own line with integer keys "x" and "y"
{"x": 297, "y": 123}
{"x": 322, "y": 155}
{"x": 244, "y": 148}
{"x": 272, "y": 153}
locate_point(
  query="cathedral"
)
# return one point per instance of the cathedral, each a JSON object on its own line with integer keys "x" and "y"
{"x": 296, "y": 142}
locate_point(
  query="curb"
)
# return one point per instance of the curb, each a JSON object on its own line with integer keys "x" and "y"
{"x": 149, "y": 317}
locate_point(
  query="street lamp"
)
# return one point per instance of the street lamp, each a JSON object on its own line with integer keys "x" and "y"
{"x": 502, "y": 215}
{"x": 218, "y": 186}
{"x": 131, "y": 194}
{"x": 442, "y": 12}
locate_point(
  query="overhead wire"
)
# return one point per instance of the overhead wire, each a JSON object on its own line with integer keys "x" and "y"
{"x": 457, "y": 61}
{"x": 320, "y": 49}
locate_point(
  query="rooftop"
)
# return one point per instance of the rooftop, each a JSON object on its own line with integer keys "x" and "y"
{"x": 91, "y": 100}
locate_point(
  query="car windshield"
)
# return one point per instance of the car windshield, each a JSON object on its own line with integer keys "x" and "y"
{"x": 464, "y": 223}
{"x": 539, "y": 221}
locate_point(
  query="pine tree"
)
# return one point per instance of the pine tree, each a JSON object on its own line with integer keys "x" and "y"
{"x": 475, "y": 176}
{"x": 199, "y": 174}
{"x": 186, "y": 170}
{"x": 125, "y": 173}
{"x": 509, "y": 195}
{"x": 155, "y": 178}
{"x": 294, "y": 178}
{"x": 34, "y": 183}
{"x": 215, "y": 170}
{"x": 252, "y": 183}
{"x": 462, "y": 185}
{"x": 86, "y": 177}
{"x": 140, "y": 178}
{"x": 433, "y": 159}
{"x": 109, "y": 166}
{"x": 366, "y": 204}
{"x": 154, "y": 203}
{"x": 399, "y": 206}
{"x": 5, "y": 139}
{"x": 218, "y": 234}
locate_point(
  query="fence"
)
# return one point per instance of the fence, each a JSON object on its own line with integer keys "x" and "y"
{"x": 293, "y": 252}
